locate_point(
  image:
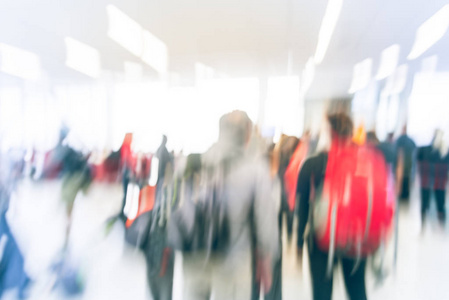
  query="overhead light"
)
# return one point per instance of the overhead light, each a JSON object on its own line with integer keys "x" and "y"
{"x": 308, "y": 75}
{"x": 18, "y": 62}
{"x": 82, "y": 58}
{"x": 155, "y": 53}
{"x": 388, "y": 61}
{"x": 124, "y": 30}
{"x": 134, "y": 38}
{"x": 361, "y": 76}
{"x": 327, "y": 28}
{"x": 430, "y": 32}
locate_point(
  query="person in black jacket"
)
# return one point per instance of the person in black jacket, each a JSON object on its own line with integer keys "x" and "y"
{"x": 433, "y": 163}
{"x": 311, "y": 178}
{"x": 406, "y": 149}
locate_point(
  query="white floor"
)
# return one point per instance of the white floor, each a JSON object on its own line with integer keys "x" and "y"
{"x": 113, "y": 270}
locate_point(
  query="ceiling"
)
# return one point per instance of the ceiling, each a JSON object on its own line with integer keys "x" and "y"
{"x": 238, "y": 38}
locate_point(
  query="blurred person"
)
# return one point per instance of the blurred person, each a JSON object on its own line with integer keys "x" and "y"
{"x": 257, "y": 145}
{"x": 275, "y": 292}
{"x": 249, "y": 211}
{"x": 433, "y": 163}
{"x": 13, "y": 275}
{"x": 285, "y": 149}
{"x": 321, "y": 181}
{"x": 388, "y": 148}
{"x": 53, "y": 161}
{"x": 164, "y": 158}
{"x": 405, "y": 148}
{"x": 76, "y": 177}
{"x": 298, "y": 157}
{"x": 126, "y": 167}
{"x": 159, "y": 256}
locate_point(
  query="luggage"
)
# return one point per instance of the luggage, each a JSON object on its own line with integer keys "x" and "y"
{"x": 138, "y": 202}
{"x": 137, "y": 233}
{"x": 353, "y": 211}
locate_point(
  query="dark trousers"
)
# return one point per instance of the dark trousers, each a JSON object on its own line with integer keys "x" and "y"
{"x": 405, "y": 188}
{"x": 290, "y": 215}
{"x": 440, "y": 197}
{"x": 275, "y": 293}
{"x": 322, "y": 284}
{"x": 161, "y": 288}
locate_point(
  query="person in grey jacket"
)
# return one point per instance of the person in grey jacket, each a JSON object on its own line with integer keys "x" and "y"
{"x": 251, "y": 212}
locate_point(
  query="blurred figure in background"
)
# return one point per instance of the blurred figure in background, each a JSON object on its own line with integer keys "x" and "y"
{"x": 433, "y": 163}
{"x": 126, "y": 168}
{"x": 164, "y": 158}
{"x": 77, "y": 177}
{"x": 388, "y": 148}
{"x": 405, "y": 149}
{"x": 53, "y": 161}
{"x": 12, "y": 264}
{"x": 285, "y": 149}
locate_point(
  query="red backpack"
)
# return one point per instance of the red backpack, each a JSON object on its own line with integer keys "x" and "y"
{"x": 354, "y": 213}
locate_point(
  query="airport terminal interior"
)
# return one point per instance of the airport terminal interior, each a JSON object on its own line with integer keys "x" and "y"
{"x": 105, "y": 104}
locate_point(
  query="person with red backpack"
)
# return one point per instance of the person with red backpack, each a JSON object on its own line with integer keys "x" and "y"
{"x": 347, "y": 198}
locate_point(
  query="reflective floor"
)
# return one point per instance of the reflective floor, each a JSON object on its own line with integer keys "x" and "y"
{"x": 114, "y": 270}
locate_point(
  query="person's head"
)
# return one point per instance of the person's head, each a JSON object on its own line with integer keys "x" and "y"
{"x": 306, "y": 134}
{"x": 63, "y": 133}
{"x": 128, "y": 139}
{"x": 341, "y": 126}
{"x": 235, "y": 128}
{"x": 372, "y": 138}
{"x": 390, "y": 137}
{"x": 437, "y": 138}
{"x": 404, "y": 129}
{"x": 164, "y": 140}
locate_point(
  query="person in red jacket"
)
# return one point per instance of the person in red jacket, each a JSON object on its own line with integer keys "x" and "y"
{"x": 126, "y": 167}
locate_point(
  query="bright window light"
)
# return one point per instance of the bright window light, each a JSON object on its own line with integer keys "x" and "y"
{"x": 382, "y": 118}
{"x": 308, "y": 76}
{"x": 11, "y": 117}
{"x": 430, "y": 32}
{"x": 388, "y": 61}
{"x": 124, "y": 30}
{"x": 82, "y": 58}
{"x": 396, "y": 82}
{"x": 428, "y": 106}
{"x": 155, "y": 52}
{"x": 283, "y": 105}
{"x": 133, "y": 71}
{"x": 18, "y": 62}
{"x": 327, "y": 28}
{"x": 429, "y": 64}
{"x": 361, "y": 76}
{"x": 203, "y": 71}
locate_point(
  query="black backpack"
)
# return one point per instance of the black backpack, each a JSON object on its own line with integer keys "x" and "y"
{"x": 202, "y": 224}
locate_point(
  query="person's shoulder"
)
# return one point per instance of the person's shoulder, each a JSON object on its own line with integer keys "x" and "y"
{"x": 314, "y": 162}
{"x": 317, "y": 157}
